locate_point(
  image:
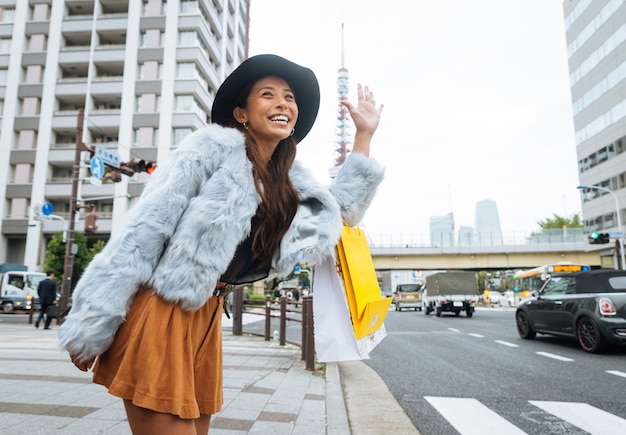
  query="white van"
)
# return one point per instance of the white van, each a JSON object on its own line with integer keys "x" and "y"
{"x": 18, "y": 290}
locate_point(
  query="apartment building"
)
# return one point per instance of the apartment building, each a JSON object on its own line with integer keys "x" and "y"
{"x": 143, "y": 71}
{"x": 596, "y": 48}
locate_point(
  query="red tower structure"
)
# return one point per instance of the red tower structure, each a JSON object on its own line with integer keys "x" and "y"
{"x": 344, "y": 137}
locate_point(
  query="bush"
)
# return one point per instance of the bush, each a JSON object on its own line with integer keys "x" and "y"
{"x": 255, "y": 300}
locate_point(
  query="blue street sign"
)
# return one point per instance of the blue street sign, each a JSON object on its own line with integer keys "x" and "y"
{"x": 296, "y": 269}
{"x": 108, "y": 157}
{"x": 97, "y": 167}
{"x": 47, "y": 209}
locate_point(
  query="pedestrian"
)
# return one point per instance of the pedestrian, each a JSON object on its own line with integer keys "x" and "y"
{"x": 296, "y": 295}
{"x": 47, "y": 291}
{"x": 231, "y": 206}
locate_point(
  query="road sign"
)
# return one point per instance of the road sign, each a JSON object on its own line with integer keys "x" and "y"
{"x": 296, "y": 269}
{"x": 97, "y": 167}
{"x": 616, "y": 234}
{"x": 108, "y": 157}
{"x": 47, "y": 209}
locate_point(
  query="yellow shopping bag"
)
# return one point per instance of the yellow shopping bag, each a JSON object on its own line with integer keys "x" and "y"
{"x": 367, "y": 306}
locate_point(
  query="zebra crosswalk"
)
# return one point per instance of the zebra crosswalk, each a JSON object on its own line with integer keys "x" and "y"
{"x": 471, "y": 417}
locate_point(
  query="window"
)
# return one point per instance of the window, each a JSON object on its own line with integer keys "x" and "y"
{"x": 190, "y": 70}
{"x": 187, "y": 38}
{"x": 180, "y": 134}
{"x": 7, "y": 15}
{"x": 5, "y": 45}
{"x": 189, "y": 6}
{"x": 558, "y": 285}
{"x": 187, "y": 103}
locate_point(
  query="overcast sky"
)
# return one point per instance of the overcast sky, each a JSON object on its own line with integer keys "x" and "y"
{"x": 476, "y": 95}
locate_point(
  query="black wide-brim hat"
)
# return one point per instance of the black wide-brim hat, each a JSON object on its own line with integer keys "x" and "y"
{"x": 302, "y": 81}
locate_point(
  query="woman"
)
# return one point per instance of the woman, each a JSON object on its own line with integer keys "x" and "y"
{"x": 231, "y": 206}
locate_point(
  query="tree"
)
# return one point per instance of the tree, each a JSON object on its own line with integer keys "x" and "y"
{"x": 55, "y": 256}
{"x": 559, "y": 222}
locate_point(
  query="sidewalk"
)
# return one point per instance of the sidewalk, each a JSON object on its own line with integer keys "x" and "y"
{"x": 267, "y": 390}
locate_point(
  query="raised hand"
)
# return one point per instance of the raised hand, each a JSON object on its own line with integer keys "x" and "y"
{"x": 365, "y": 116}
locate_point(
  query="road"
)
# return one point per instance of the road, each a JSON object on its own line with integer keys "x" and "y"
{"x": 476, "y": 376}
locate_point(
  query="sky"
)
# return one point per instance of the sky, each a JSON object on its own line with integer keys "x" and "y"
{"x": 477, "y": 104}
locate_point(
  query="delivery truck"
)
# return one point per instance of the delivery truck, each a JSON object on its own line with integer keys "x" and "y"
{"x": 451, "y": 291}
{"x": 18, "y": 288}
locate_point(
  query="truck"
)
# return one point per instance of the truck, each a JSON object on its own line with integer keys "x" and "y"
{"x": 18, "y": 288}
{"x": 389, "y": 280}
{"x": 451, "y": 291}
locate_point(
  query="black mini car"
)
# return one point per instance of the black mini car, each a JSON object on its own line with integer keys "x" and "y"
{"x": 588, "y": 306}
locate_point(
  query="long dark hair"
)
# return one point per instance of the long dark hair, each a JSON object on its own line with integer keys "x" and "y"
{"x": 279, "y": 198}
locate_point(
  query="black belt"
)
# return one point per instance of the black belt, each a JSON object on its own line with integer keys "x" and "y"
{"x": 224, "y": 291}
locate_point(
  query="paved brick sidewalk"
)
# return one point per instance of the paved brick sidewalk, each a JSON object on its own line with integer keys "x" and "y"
{"x": 266, "y": 386}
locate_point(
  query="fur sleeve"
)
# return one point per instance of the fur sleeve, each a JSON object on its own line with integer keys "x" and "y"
{"x": 106, "y": 289}
{"x": 356, "y": 185}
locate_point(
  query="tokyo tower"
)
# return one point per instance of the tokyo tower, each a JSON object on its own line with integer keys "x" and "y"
{"x": 343, "y": 127}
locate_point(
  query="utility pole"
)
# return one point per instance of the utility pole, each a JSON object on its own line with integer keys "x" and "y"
{"x": 69, "y": 247}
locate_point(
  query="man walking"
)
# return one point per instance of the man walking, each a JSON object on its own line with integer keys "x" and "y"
{"x": 47, "y": 290}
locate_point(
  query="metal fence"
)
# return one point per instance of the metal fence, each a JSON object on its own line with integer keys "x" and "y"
{"x": 300, "y": 313}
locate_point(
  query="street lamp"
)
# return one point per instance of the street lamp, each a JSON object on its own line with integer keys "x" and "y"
{"x": 619, "y": 220}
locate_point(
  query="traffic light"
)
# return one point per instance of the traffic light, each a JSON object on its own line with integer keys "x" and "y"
{"x": 142, "y": 166}
{"x": 90, "y": 222}
{"x": 597, "y": 238}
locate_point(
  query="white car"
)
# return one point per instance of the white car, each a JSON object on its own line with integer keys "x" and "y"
{"x": 495, "y": 298}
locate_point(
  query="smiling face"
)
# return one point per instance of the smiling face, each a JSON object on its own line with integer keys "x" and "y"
{"x": 271, "y": 112}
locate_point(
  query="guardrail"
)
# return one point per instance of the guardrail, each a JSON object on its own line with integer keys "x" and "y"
{"x": 281, "y": 313}
{"x": 520, "y": 240}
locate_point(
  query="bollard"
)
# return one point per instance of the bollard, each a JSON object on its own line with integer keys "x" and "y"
{"x": 237, "y": 310}
{"x": 283, "y": 319}
{"x": 31, "y": 311}
{"x": 310, "y": 339}
{"x": 268, "y": 317}
{"x": 305, "y": 327}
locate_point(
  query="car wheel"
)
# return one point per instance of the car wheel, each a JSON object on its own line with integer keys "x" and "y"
{"x": 469, "y": 313}
{"x": 438, "y": 311}
{"x": 524, "y": 328}
{"x": 7, "y": 307}
{"x": 589, "y": 336}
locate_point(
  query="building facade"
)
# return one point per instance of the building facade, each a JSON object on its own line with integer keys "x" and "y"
{"x": 596, "y": 49}
{"x": 143, "y": 71}
{"x": 487, "y": 223}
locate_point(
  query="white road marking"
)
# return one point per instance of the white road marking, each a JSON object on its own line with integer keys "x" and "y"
{"x": 476, "y": 335}
{"x": 551, "y": 355}
{"x": 616, "y": 373}
{"x": 470, "y": 417}
{"x": 506, "y": 343}
{"x": 584, "y": 416}
{"x": 453, "y": 330}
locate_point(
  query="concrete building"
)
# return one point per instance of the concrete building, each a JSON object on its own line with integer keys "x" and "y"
{"x": 487, "y": 223}
{"x": 442, "y": 230}
{"x": 596, "y": 48}
{"x": 144, "y": 71}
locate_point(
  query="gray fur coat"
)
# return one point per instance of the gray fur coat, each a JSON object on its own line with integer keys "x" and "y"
{"x": 181, "y": 235}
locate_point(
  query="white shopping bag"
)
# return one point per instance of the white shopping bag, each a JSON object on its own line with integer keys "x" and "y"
{"x": 335, "y": 339}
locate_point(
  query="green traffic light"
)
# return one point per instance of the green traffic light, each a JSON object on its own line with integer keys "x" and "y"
{"x": 594, "y": 235}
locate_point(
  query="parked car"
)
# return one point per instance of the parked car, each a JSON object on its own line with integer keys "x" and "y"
{"x": 588, "y": 306}
{"x": 495, "y": 297}
{"x": 408, "y": 296}
{"x": 508, "y": 298}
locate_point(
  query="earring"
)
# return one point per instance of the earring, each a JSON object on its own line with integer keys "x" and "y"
{"x": 245, "y": 125}
{"x": 292, "y": 132}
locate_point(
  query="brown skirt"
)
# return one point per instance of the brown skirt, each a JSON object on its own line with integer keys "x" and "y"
{"x": 167, "y": 359}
